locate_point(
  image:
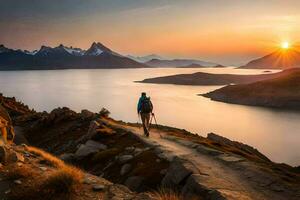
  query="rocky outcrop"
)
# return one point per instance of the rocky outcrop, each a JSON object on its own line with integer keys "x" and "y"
{"x": 224, "y": 141}
{"x": 26, "y": 175}
{"x": 88, "y": 148}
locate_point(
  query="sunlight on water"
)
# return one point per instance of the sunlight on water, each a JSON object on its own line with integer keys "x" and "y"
{"x": 275, "y": 133}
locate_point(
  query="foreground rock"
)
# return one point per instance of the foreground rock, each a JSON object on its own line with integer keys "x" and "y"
{"x": 26, "y": 181}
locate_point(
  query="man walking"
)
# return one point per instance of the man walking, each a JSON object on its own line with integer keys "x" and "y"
{"x": 144, "y": 109}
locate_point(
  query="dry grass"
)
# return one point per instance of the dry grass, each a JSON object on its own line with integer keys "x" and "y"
{"x": 164, "y": 194}
{"x": 71, "y": 171}
{"x": 16, "y": 172}
{"x": 61, "y": 184}
{"x": 58, "y": 183}
{"x": 49, "y": 159}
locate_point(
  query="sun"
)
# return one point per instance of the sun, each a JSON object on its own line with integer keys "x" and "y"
{"x": 285, "y": 45}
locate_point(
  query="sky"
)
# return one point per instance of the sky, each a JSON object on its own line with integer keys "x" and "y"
{"x": 229, "y": 32}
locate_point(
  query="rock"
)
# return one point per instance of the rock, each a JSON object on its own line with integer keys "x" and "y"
{"x": 130, "y": 149}
{"x": 178, "y": 171}
{"x": 88, "y": 148}
{"x": 239, "y": 145}
{"x": 118, "y": 192}
{"x": 135, "y": 183}
{"x": 16, "y": 157}
{"x": 230, "y": 158}
{"x": 89, "y": 180}
{"x": 98, "y": 187}
{"x": 137, "y": 151}
{"x": 167, "y": 156}
{"x": 163, "y": 171}
{"x": 206, "y": 150}
{"x": 18, "y": 182}
{"x": 125, "y": 158}
{"x": 194, "y": 188}
{"x": 67, "y": 157}
{"x": 125, "y": 169}
{"x": 86, "y": 114}
{"x": 43, "y": 168}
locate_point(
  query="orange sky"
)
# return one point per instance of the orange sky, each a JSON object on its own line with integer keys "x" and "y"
{"x": 229, "y": 32}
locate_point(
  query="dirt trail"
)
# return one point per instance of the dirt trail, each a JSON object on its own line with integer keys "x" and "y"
{"x": 230, "y": 182}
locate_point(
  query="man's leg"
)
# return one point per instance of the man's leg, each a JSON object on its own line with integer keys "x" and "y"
{"x": 143, "y": 117}
{"x": 147, "y": 122}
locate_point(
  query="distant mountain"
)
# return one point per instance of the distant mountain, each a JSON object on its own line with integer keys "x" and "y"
{"x": 62, "y": 57}
{"x": 280, "y": 59}
{"x": 144, "y": 59}
{"x": 3, "y": 49}
{"x": 178, "y": 63}
{"x": 280, "y": 92}
{"x": 191, "y": 66}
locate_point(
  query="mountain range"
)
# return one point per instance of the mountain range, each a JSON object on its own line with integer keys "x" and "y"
{"x": 280, "y": 59}
{"x": 62, "y": 57}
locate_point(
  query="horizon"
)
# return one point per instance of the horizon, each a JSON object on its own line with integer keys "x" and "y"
{"x": 170, "y": 29}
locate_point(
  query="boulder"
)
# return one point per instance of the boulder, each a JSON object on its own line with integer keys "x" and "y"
{"x": 130, "y": 149}
{"x": 193, "y": 188}
{"x": 98, "y": 187}
{"x": 88, "y": 148}
{"x": 86, "y": 114}
{"x": 135, "y": 183}
{"x": 18, "y": 182}
{"x": 67, "y": 157}
{"x": 178, "y": 172}
{"x": 125, "y": 169}
{"x": 125, "y": 158}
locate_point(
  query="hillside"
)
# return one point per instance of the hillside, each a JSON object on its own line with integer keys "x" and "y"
{"x": 97, "y": 56}
{"x": 178, "y": 63}
{"x": 280, "y": 59}
{"x": 280, "y": 92}
{"x": 109, "y": 154}
{"x": 201, "y": 78}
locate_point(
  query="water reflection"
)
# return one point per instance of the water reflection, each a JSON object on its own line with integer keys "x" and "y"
{"x": 273, "y": 132}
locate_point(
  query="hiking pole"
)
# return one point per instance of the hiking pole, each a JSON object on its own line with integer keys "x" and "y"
{"x": 153, "y": 116}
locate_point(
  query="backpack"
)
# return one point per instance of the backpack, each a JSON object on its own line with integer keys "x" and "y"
{"x": 146, "y": 106}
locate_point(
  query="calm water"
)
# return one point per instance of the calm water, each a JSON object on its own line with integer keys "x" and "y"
{"x": 275, "y": 133}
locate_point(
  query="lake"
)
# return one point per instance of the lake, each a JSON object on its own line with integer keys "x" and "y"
{"x": 276, "y": 133}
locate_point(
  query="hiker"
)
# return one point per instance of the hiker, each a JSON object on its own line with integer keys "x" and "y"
{"x": 144, "y": 109}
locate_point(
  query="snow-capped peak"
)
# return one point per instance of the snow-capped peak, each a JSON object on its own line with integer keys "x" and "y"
{"x": 30, "y": 52}
{"x": 98, "y": 48}
{"x": 74, "y": 51}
